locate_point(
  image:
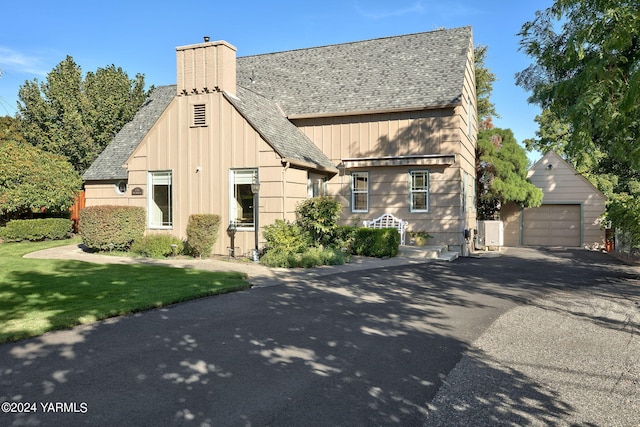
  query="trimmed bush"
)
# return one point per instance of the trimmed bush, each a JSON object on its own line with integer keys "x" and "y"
{"x": 37, "y": 229}
{"x": 202, "y": 233}
{"x": 286, "y": 236}
{"x": 157, "y": 246}
{"x": 106, "y": 228}
{"x": 345, "y": 236}
{"x": 311, "y": 257}
{"x": 376, "y": 242}
{"x": 319, "y": 216}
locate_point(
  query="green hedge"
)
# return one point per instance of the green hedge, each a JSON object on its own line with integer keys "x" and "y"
{"x": 157, "y": 246}
{"x": 376, "y": 242}
{"x": 311, "y": 257}
{"x": 111, "y": 227}
{"x": 202, "y": 233}
{"x": 37, "y": 229}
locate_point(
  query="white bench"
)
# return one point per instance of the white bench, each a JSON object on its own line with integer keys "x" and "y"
{"x": 389, "y": 221}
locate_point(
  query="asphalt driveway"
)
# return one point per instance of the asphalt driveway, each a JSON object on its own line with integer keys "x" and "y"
{"x": 436, "y": 343}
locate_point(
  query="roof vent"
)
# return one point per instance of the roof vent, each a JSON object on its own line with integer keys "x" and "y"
{"x": 206, "y": 39}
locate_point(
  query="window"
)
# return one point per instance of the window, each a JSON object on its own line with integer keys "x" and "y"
{"x": 360, "y": 192}
{"x": 160, "y": 209}
{"x": 241, "y": 211}
{"x": 199, "y": 115}
{"x": 419, "y": 191}
{"x": 316, "y": 185}
{"x": 120, "y": 187}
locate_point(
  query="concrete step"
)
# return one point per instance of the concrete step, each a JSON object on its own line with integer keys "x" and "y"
{"x": 427, "y": 253}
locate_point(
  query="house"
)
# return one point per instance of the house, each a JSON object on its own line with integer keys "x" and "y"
{"x": 570, "y": 214}
{"x": 384, "y": 126}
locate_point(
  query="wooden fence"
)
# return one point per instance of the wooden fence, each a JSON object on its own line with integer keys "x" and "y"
{"x": 78, "y": 204}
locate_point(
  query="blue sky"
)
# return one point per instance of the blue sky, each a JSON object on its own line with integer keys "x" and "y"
{"x": 141, "y": 36}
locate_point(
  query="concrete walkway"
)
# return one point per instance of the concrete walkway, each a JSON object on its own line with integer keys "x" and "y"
{"x": 258, "y": 274}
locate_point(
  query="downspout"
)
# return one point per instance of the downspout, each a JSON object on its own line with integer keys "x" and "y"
{"x": 287, "y": 164}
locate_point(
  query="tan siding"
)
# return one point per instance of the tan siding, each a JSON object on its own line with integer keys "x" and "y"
{"x": 227, "y": 142}
{"x": 561, "y": 185}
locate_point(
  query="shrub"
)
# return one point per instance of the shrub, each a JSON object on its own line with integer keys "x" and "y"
{"x": 376, "y": 242}
{"x": 37, "y": 229}
{"x": 202, "y": 233}
{"x": 286, "y": 236}
{"x": 157, "y": 246}
{"x": 319, "y": 216}
{"x": 111, "y": 227}
{"x": 311, "y": 257}
{"x": 345, "y": 237}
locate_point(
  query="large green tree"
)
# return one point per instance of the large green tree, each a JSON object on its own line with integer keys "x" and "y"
{"x": 501, "y": 173}
{"x": 77, "y": 117}
{"x": 586, "y": 72}
{"x": 586, "y": 77}
{"x": 32, "y": 180}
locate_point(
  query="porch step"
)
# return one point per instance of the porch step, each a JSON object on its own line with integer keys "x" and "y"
{"x": 427, "y": 253}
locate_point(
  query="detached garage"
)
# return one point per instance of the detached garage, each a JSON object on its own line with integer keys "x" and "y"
{"x": 569, "y": 214}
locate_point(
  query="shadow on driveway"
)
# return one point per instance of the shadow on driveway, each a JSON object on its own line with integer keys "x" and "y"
{"x": 359, "y": 348}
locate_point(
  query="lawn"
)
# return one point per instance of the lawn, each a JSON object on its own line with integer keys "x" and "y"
{"x": 37, "y": 296}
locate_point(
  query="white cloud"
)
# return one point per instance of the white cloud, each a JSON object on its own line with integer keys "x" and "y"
{"x": 17, "y": 62}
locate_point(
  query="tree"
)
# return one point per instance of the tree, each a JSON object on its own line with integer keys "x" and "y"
{"x": 77, "y": 118}
{"x": 10, "y": 129}
{"x": 587, "y": 73}
{"x": 484, "y": 86}
{"x": 501, "y": 173}
{"x": 32, "y": 180}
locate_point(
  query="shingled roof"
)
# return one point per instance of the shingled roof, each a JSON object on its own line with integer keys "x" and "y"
{"x": 109, "y": 163}
{"x": 409, "y": 72}
{"x": 269, "y": 121}
{"x": 415, "y": 71}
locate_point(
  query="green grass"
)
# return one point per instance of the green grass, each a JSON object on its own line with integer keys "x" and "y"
{"x": 37, "y": 296}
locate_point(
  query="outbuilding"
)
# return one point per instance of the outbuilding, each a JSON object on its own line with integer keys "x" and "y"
{"x": 570, "y": 214}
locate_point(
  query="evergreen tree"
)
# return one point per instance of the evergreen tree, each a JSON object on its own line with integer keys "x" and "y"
{"x": 77, "y": 117}
{"x": 501, "y": 173}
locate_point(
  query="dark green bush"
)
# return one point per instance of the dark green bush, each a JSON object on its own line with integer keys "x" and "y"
{"x": 157, "y": 246}
{"x": 319, "y": 216}
{"x": 202, "y": 233}
{"x": 376, "y": 242}
{"x": 111, "y": 227}
{"x": 345, "y": 237}
{"x": 37, "y": 229}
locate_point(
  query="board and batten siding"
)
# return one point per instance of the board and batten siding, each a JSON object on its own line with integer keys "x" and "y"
{"x": 400, "y": 134}
{"x": 200, "y": 158}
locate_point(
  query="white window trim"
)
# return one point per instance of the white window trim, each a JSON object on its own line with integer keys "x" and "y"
{"x": 150, "y": 202}
{"x": 233, "y": 213}
{"x": 412, "y": 191}
{"x": 311, "y": 179}
{"x": 354, "y": 192}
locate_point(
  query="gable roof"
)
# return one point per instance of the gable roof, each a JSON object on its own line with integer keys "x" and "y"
{"x": 408, "y": 72}
{"x": 109, "y": 163}
{"x": 549, "y": 163}
{"x": 286, "y": 139}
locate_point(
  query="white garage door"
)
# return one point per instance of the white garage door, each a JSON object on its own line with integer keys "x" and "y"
{"x": 551, "y": 225}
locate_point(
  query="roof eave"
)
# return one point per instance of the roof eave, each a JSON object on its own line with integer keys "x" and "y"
{"x": 369, "y": 112}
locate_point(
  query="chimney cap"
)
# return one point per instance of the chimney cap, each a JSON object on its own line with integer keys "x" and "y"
{"x": 206, "y": 39}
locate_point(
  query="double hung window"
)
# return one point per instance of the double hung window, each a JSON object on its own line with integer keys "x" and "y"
{"x": 360, "y": 192}
{"x": 419, "y": 191}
